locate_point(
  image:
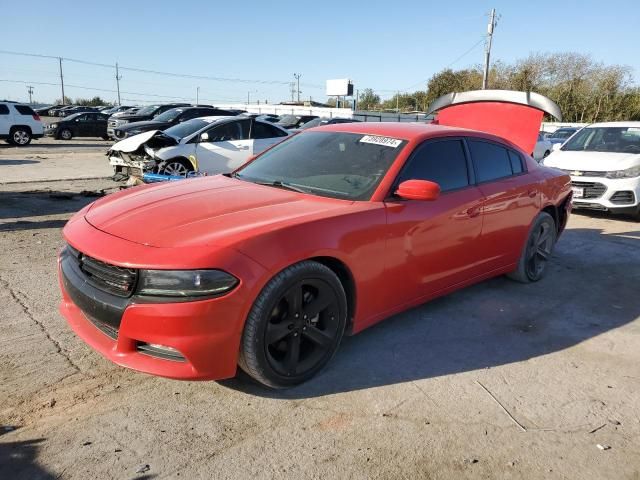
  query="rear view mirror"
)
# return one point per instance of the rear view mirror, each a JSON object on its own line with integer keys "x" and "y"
{"x": 418, "y": 190}
{"x": 204, "y": 137}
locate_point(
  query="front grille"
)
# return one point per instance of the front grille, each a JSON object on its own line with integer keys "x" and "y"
{"x": 109, "y": 278}
{"x": 591, "y": 189}
{"x": 623, "y": 197}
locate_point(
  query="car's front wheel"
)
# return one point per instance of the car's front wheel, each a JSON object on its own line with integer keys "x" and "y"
{"x": 537, "y": 250}
{"x": 66, "y": 134}
{"x": 177, "y": 167}
{"x": 295, "y": 326}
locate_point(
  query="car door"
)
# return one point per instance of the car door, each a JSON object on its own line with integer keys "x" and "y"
{"x": 226, "y": 147}
{"x": 432, "y": 245}
{"x": 511, "y": 201}
{"x": 265, "y": 135}
{"x": 83, "y": 125}
{"x": 101, "y": 125}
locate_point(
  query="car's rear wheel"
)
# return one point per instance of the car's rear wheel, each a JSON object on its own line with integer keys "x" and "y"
{"x": 177, "y": 167}
{"x": 20, "y": 136}
{"x": 295, "y": 326}
{"x": 537, "y": 250}
{"x": 66, "y": 134}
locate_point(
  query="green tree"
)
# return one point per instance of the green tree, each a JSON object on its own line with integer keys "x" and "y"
{"x": 368, "y": 100}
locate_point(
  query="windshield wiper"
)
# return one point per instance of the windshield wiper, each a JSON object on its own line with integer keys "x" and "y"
{"x": 279, "y": 184}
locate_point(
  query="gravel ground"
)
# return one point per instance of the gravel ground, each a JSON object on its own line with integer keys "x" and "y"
{"x": 499, "y": 380}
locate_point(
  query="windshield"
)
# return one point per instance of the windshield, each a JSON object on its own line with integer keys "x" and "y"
{"x": 169, "y": 115}
{"x": 331, "y": 164}
{"x": 562, "y": 133}
{"x": 313, "y": 123}
{"x": 287, "y": 119}
{"x": 605, "y": 139}
{"x": 148, "y": 110}
{"x": 185, "y": 129}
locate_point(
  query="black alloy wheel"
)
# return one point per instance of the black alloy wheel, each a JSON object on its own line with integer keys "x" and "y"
{"x": 295, "y": 326}
{"x": 537, "y": 251}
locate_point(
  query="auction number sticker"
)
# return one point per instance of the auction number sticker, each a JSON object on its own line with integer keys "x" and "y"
{"x": 386, "y": 141}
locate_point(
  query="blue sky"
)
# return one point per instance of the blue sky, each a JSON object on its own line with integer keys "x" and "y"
{"x": 386, "y": 45}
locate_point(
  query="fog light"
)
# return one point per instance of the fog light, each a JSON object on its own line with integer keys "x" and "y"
{"x": 160, "y": 351}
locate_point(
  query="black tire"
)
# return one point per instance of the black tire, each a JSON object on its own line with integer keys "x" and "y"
{"x": 65, "y": 134}
{"x": 546, "y": 154}
{"x": 537, "y": 250}
{"x": 20, "y": 136}
{"x": 177, "y": 166}
{"x": 105, "y": 137}
{"x": 294, "y": 327}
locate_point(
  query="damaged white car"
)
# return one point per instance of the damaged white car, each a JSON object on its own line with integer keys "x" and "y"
{"x": 209, "y": 145}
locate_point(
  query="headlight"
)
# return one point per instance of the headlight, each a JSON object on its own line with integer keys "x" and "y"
{"x": 185, "y": 283}
{"x": 628, "y": 173}
{"x": 53, "y": 125}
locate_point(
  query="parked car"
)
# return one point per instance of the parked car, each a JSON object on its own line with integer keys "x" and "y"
{"x": 267, "y": 117}
{"x": 320, "y": 121}
{"x": 327, "y": 233}
{"x": 19, "y": 124}
{"x": 87, "y": 124}
{"x": 167, "y": 119}
{"x": 145, "y": 113}
{"x": 55, "y": 111}
{"x": 117, "y": 109}
{"x": 294, "y": 121}
{"x": 603, "y": 160}
{"x": 561, "y": 134}
{"x": 208, "y": 145}
{"x": 44, "y": 111}
{"x": 543, "y": 148}
{"x": 77, "y": 109}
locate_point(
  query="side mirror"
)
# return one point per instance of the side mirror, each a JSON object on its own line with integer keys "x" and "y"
{"x": 204, "y": 137}
{"x": 418, "y": 190}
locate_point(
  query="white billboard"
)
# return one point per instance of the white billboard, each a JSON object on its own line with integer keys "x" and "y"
{"x": 341, "y": 87}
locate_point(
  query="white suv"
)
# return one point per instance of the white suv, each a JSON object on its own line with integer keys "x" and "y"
{"x": 19, "y": 124}
{"x": 603, "y": 160}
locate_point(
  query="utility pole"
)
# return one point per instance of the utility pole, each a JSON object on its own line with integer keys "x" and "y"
{"x": 61, "y": 79}
{"x": 30, "y": 90}
{"x": 487, "y": 51}
{"x": 292, "y": 86}
{"x": 248, "y": 93}
{"x": 297, "y": 77}
{"x": 397, "y": 102}
{"x": 197, "y": 95}
{"x": 118, "y": 78}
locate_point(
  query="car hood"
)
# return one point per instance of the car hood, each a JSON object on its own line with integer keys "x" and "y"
{"x": 205, "y": 211}
{"x": 591, "y": 161}
{"x": 146, "y": 125}
{"x": 133, "y": 143}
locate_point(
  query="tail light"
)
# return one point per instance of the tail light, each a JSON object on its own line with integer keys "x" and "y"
{"x": 36, "y": 117}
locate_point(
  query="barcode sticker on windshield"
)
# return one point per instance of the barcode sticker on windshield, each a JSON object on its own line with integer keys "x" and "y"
{"x": 386, "y": 141}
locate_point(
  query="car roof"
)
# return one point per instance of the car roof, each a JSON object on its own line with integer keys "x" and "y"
{"x": 401, "y": 130}
{"x": 615, "y": 124}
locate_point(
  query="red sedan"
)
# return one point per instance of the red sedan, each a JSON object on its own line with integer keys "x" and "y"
{"x": 327, "y": 233}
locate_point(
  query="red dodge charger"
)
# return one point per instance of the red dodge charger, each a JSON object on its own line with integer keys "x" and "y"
{"x": 324, "y": 234}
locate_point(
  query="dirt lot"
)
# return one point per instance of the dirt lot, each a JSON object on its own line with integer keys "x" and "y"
{"x": 500, "y": 380}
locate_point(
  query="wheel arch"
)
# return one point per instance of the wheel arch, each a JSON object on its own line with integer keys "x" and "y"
{"x": 181, "y": 158}
{"x": 27, "y": 127}
{"x": 344, "y": 274}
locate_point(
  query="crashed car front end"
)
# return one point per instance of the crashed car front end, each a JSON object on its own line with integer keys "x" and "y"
{"x": 137, "y": 155}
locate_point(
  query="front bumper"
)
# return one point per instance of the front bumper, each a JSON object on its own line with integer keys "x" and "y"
{"x": 615, "y": 195}
{"x": 205, "y": 333}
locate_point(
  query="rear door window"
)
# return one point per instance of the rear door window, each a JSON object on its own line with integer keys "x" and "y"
{"x": 262, "y": 130}
{"x": 24, "y": 110}
{"x": 4, "y": 110}
{"x": 443, "y": 162}
{"x": 491, "y": 161}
